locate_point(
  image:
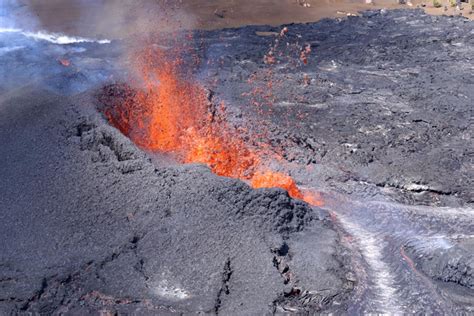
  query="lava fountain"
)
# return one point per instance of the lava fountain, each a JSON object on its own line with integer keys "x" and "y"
{"x": 173, "y": 113}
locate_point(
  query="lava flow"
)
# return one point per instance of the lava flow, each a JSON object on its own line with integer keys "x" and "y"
{"x": 175, "y": 114}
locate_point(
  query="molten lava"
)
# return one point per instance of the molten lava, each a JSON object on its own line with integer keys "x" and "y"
{"x": 64, "y": 62}
{"x": 173, "y": 114}
{"x": 269, "y": 179}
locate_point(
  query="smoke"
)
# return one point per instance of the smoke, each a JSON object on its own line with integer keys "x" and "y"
{"x": 30, "y": 55}
{"x": 126, "y": 18}
{"x": 65, "y": 45}
{"x": 113, "y": 19}
{"x": 6, "y": 13}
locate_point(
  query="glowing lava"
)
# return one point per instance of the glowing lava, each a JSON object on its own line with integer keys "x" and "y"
{"x": 174, "y": 114}
{"x": 64, "y": 62}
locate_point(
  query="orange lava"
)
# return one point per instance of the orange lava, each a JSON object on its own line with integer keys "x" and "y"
{"x": 173, "y": 114}
{"x": 64, "y": 62}
{"x": 313, "y": 198}
{"x": 269, "y": 179}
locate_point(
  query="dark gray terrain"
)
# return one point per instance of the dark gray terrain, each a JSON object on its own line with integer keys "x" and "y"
{"x": 89, "y": 224}
{"x": 381, "y": 119}
{"x": 381, "y": 124}
{"x": 388, "y": 100}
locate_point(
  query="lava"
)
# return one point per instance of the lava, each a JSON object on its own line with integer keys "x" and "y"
{"x": 175, "y": 114}
{"x": 64, "y": 62}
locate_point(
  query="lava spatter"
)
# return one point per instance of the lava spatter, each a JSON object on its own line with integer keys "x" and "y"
{"x": 172, "y": 114}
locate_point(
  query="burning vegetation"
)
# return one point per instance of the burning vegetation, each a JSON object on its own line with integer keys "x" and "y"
{"x": 173, "y": 113}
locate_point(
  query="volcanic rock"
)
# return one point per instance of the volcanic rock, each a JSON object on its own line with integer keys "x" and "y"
{"x": 91, "y": 225}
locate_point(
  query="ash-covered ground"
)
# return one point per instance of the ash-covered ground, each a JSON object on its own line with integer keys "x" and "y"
{"x": 378, "y": 120}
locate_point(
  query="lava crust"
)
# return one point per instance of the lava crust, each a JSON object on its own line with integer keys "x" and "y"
{"x": 372, "y": 111}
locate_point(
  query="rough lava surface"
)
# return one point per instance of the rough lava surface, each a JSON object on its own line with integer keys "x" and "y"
{"x": 90, "y": 224}
{"x": 385, "y": 100}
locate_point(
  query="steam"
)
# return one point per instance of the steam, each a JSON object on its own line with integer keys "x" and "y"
{"x": 6, "y": 13}
{"x": 122, "y": 18}
{"x": 5, "y": 50}
{"x": 53, "y": 38}
{"x": 58, "y": 44}
{"x": 83, "y": 20}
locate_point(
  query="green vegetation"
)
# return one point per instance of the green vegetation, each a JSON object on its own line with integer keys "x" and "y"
{"x": 437, "y": 4}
